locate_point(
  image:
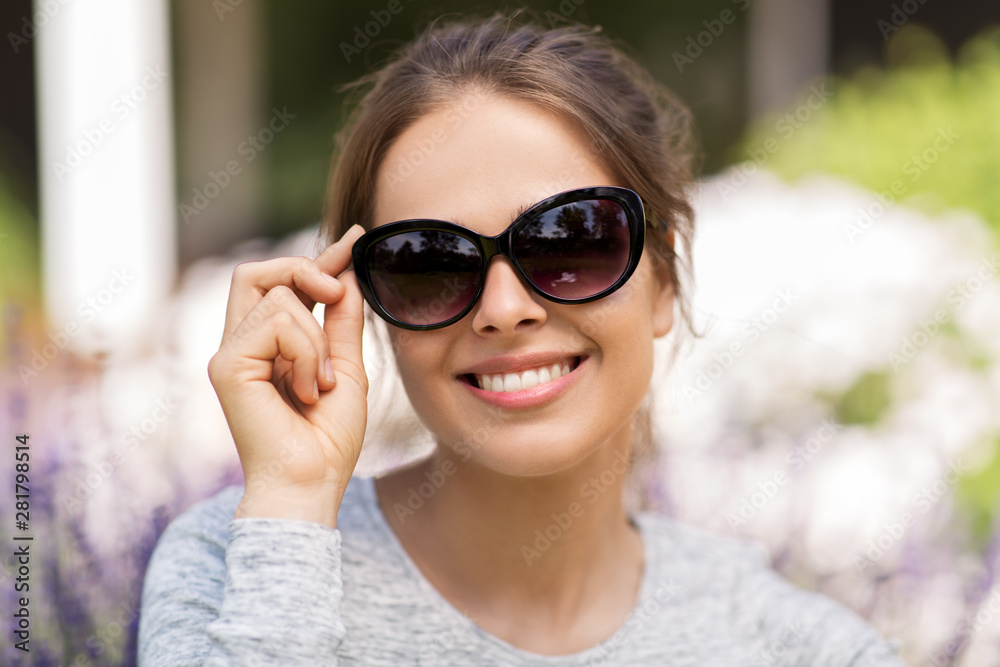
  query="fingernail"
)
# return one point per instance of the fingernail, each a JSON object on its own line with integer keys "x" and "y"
{"x": 330, "y": 279}
{"x": 329, "y": 370}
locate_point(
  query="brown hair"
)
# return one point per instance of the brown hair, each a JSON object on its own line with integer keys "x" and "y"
{"x": 635, "y": 126}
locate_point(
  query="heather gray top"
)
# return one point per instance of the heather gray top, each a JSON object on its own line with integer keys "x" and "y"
{"x": 253, "y": 591}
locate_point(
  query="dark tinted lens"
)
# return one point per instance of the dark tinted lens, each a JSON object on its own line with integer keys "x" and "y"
{"x": 576, "y": 250}
{"x": 424, "y": 277}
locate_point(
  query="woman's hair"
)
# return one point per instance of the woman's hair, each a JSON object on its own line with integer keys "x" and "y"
{"x": 635, "y": 126}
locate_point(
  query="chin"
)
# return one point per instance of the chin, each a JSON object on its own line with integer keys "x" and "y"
{"x": 531, "y": 454}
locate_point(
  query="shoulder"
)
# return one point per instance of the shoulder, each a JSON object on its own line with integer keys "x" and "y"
{"x": 208, "y": 521}
{"x": 729, "y": 589}
{"x": 184, "y": 581}
{"x": 371, "y": 554}
{"x": 205, "y": 527}
{"x": 201, "y": 530}
{"x": 705, "y": 561}
{"x": 685, "y": 540}
{"x": 195, "y": 541}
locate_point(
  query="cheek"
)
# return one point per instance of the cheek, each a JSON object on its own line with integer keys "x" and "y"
{"x": 412, "y": 351}
{"x": 631, "y": 349}
{"x": 625, "y": 318}
{"x": 420, "y": 358}
{"x": 625, "y": 336}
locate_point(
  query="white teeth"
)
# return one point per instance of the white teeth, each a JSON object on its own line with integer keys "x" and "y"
{"x": 509, "y": 382}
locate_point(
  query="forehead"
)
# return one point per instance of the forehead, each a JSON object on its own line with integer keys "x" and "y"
{"x": 480, "y": 160}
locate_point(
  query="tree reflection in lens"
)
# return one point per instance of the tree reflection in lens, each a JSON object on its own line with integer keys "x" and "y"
{"x": 424, "y": 277}
{"x": 576, "y": 250}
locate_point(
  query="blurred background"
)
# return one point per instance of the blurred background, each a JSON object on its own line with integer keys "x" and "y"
{"x": 842, "y": 407}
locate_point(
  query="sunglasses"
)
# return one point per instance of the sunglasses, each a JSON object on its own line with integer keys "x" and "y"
{"x": 573, "y": 247}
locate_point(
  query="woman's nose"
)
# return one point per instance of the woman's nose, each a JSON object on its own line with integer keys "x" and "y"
{"x": 507, "y": 305}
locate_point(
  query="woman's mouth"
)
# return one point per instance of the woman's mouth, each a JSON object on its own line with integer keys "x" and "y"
{"x": 522, "y": 380}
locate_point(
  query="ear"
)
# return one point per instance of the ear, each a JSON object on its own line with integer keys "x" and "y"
{"x": 662, "y": 294}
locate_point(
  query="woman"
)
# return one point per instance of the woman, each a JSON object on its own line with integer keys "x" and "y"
{"x": 523, "y": 190}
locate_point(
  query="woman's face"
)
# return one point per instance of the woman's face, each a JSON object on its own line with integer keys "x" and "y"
{"x": 478, "y": 163}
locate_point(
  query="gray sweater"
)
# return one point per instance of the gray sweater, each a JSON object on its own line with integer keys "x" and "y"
{"x": 220, "y": 591}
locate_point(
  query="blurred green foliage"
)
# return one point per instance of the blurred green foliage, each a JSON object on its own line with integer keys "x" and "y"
{"x": 978, "y": 495}
{"x": 878, "y": 129}
{"x": 865, "y": 401}
{"x": 19, "y": 266}
{"x": 881, "y": 126}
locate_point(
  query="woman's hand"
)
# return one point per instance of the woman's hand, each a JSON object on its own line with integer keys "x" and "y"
{"x": 298, "y": 432}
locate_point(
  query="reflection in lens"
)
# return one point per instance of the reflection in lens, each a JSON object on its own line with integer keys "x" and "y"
{"x": 424, "y": 277}
{"x": 576, "y": 250}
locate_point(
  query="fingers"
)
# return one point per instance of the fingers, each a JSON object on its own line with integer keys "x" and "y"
{"x": 282, "y": 338}
{"x": 310, "y": 281}
{"x": 279, "y": 325}
{"x": 343, "y": 324}
{"x": 337, "y": 257}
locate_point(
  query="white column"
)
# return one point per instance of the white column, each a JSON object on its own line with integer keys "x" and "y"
{"x": 106, "y": 170}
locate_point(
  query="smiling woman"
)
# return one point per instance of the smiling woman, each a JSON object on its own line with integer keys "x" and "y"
{"x": 525, "y": 262}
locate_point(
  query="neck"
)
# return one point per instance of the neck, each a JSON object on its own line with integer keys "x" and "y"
{"x": 557, "y": 541}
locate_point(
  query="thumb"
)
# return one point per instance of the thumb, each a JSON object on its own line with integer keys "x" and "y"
{"x": 343, "y": 323}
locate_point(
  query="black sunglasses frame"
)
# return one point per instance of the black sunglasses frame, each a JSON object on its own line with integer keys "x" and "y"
{"x": 501, "y": 244}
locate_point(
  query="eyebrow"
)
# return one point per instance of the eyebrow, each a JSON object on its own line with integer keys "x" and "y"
{"x": 517, "y": 214}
